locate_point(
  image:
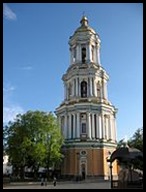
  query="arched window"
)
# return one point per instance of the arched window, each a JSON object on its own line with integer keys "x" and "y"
{"x": 83, "y": 89}
{"x": 83, "y": 55}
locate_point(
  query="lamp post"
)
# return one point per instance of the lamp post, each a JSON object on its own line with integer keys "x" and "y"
{"x": 111, "y": 175}
{"x": 48, "y": 156}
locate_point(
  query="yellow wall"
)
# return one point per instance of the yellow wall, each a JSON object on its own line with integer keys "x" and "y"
{"x": 96, "y": 162}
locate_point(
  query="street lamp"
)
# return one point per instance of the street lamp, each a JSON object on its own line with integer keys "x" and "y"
{"x": 48, "y": 156}
{"x": 111, "y": 175}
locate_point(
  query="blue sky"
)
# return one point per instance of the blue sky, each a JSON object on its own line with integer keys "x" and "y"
{"x": 36, "y": 55}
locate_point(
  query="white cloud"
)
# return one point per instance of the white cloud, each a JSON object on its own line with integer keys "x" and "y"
{"x": 9, "y": 88}
{"x": 27, "y": 68}
{"x": 8, "y": 13}
{"x": 10, "y": 112}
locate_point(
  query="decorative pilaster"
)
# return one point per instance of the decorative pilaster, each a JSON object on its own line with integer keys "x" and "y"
{"x": 103, "y": 126}
{"x": 97, "y": 126}
{"x": 74, "y": 123}
{"x": 65, "y": 127}
{"x": 90, "y": 86}
{"x": 78, "y": 53}
{"x": 78, "y": 125}
{"x": 89, "y": 124}
{"x": 93, "y": 126}
{"x": 76, "y": 80}
{"x": 69, "y": 126}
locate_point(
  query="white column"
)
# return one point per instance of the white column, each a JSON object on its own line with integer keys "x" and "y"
{"x": 90, "y": 86}
{"x": 79, "y": 52}
{"x": 89, "y": 125}
{"x": 113, "y": 131}
{"x": 89, "y": 52}
{"x": 95, "y": 55}
{"x": 111, "y": 123}
{"x": 113, "y": 128}
{"x": 114, "y": 134}
{"x": 76, "y": 79}
{"x": 79, "y": 87}
{"x": 74, "y": 126}
{"x": 93, "y": 88}
{"x": 78, "y": 125}
{"x": 98, "y": 54}
{"x": 93, "y": 126}
{"x": 65, "y": 127}
{"x": 72, "y": 88}
{"x": 71, "y": 57}
{"x": 97, "y": 126}
{"x": 102, "y": 127}
{"x": 66, "y": 91}
{"x": 69, "y": 127}
{"x": 107, "y": 128}
{"x": 106, "y": 96}
{"x": 67, "y": 131}
{"x": 104, "y": 89}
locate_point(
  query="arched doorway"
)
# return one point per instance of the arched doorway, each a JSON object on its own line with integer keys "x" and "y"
{"x": 83, "y": 171}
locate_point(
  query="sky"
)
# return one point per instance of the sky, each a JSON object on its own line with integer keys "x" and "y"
{"x": 36, "y": 55}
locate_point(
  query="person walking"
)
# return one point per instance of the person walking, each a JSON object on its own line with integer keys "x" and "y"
{"x": 54, "y": 181}
{"x": 42, "y": 181}
{"x": 45, "y": 181}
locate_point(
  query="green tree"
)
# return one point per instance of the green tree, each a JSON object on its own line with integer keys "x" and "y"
{"x": 137, "y": 139}
{"x": 34, "y": 140}
{"x": 121, "y": 143}
{"x": 137, "y": 142}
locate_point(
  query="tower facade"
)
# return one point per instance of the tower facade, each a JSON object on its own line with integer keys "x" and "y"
{"x": 86, "y": 116}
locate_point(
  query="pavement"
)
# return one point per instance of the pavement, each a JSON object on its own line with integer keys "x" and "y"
{"x": 87, "y": 184}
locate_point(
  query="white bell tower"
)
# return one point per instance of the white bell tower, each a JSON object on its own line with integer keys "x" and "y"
{"x": 87, "y": 118}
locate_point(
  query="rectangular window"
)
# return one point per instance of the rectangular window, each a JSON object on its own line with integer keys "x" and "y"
{"x": 83, "y": 127}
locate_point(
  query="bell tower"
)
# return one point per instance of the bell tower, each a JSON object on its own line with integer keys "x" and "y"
{"x": 86, "y": 116}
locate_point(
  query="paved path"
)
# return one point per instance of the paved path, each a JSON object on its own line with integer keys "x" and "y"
{"x": 65, "y": 185}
